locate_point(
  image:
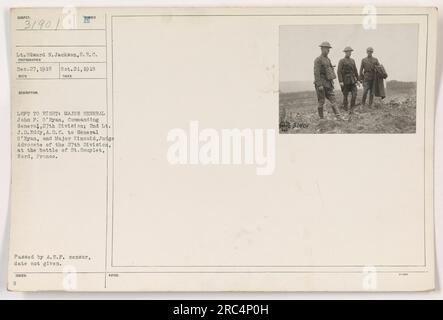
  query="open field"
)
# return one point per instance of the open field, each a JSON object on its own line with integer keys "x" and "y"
{"x": 394, "y": 114}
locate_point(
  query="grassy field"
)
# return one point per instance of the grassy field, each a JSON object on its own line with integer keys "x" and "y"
{"x": 394, "y": 114}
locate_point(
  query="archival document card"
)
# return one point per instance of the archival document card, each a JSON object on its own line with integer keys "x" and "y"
{"x": 222, "y": 149}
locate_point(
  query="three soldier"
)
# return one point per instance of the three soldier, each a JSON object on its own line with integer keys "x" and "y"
{"x": 348, "y": 78}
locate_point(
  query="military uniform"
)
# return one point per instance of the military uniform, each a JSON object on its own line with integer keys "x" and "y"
{"x": 324, "y": 75}
{"x": 367, "y": 74}
{"x": 348, "y": 75}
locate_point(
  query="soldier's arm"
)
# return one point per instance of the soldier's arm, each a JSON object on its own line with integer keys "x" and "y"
{"x": 361, "y": 70}
{"x": 317, "y": 78}
{"x": 339, "y": 71}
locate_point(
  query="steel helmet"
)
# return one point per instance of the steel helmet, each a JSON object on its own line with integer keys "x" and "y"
{"x": 325, "y": 44}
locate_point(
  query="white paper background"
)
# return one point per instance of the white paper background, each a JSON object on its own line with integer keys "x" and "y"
{"x": 5, "y": 156}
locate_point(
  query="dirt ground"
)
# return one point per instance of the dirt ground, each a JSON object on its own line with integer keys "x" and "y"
{"x": 396, "y": 113}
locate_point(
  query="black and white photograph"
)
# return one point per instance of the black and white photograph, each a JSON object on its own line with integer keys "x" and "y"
{"x": 348, "y": 78}
{"x": 141, "y": 159}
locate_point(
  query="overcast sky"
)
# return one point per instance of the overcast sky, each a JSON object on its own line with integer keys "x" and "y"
{"x": 395, "y": 46}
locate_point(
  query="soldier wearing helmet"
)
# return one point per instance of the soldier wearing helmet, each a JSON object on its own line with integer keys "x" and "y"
{"x": 348, "y": 78}
{"x": 367, "y": 74}
{"x": 324, "y": 75}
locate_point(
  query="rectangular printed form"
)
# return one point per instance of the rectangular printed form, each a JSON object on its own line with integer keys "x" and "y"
{"x": 210, "y": 149}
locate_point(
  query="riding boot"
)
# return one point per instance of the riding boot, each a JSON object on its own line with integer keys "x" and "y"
{"x": 345, "y": 102}
{"x": 336, "y": 112}
{"x": 352, "y": 108}
{"x": 320, "y": 112}
{"x": 371, "y": 99}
